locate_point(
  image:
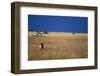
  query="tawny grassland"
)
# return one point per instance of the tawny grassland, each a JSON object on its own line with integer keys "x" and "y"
{"x": 57, "y": 46}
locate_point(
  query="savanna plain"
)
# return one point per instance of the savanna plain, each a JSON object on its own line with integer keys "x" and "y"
{"x": 57, "y": 46}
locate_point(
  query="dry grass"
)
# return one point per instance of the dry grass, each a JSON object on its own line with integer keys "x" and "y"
{"x": 57, "y": 47}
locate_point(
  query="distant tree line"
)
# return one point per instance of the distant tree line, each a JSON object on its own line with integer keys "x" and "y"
{"x": 40, "y": 33}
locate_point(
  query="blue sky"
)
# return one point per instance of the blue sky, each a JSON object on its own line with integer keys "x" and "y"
{"x": 57, "y": 23}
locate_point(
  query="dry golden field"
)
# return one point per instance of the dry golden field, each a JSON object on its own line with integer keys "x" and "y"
{"x": 57, "y": 46}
